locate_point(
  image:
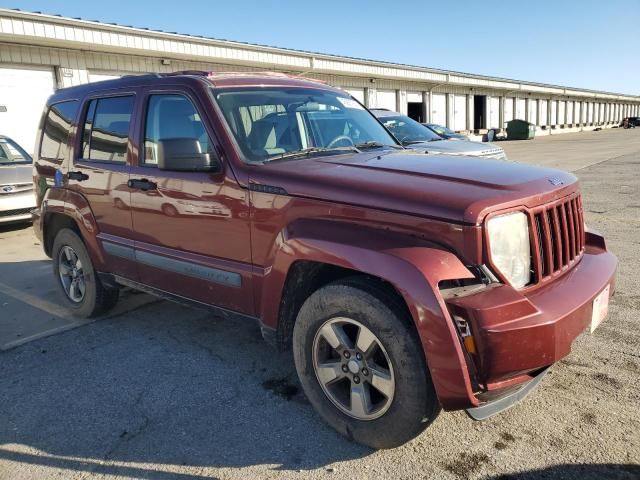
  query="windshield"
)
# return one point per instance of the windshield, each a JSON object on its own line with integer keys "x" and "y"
{"x": 278, "y": 122}
{"x": 407, "y": 130}
{"x": 12, "y": 153}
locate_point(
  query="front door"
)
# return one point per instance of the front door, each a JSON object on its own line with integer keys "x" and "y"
{"x": 100, "y": 173}
{"x": 191, "y": 229}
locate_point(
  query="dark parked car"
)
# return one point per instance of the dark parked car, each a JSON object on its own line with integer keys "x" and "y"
{"x": 17, "y": 198}
{"x": 630, "y": 122}
{"x": 404, "y": 282}
{"x": 445, "y": 132}
{"x": 414, "y": 135}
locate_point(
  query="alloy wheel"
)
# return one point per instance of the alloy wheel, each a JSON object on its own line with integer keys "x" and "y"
{"x": 71, "y": 274}
{"x": 353, "y": 368}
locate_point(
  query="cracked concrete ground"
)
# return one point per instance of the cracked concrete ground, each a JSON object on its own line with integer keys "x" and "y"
{"x": 168, "y": 392}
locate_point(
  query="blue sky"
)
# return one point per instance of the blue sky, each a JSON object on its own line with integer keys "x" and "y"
{"x": 589, "y": 44}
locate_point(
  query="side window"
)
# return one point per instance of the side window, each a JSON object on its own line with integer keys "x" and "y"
{"x": 106, "y": 129}
{"x": 57, "y": 126}
{"x": 172, "y": 117}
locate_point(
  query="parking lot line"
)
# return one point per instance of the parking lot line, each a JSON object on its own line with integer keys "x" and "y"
{"x": 36, "y": 302}
{"x": 46, "y": 333}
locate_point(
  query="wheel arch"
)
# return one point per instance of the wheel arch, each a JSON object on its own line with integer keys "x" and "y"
{"x": 65, "y": 208}
{"x": 413, "y": 272}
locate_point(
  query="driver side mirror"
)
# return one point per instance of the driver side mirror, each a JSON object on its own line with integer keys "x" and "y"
{"x": 184, "y": 155}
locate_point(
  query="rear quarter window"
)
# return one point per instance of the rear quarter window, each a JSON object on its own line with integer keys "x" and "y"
{"x": 56, "y": 130}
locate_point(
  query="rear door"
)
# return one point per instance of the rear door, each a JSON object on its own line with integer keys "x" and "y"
{"x": 191, "y": 228}
{"x": 100, "y": 173}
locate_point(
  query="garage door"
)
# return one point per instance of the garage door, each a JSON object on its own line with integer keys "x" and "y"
{"x": 520, "y": 110}
{"x": 357, "y": 93}
{"x": 439, "y": 108}
{"x": 460, "y": 112}
{"x": 562, "y": 106}
{"x": 570, "y": 112}
{"x": 100, "y": 76}
{"x": 554, "y": 112}
{"x": 533, "y": 114}
{"x": 386, "y": 99}
{"x": 494, "y": 112}
{"x": 544, "y": 105}
{"x": 414, "y": 97}
{"x": 508, "y": 110}
{"x": 23, "y": 93}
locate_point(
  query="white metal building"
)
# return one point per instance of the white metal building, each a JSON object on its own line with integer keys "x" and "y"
{"x": 39, "y": 53}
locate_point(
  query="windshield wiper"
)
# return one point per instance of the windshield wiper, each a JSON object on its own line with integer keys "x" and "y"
{"x": 414, "y": 142}
{"x": 369, "y": 145}
{"x": 307, "y": 152}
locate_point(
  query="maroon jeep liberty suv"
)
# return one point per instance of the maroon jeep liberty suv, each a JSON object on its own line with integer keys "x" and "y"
{"x": 404, "y": 282}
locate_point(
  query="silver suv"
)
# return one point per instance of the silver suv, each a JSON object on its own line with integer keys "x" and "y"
{"x": 17, "y": 198}
{"x": 414, "y": 135}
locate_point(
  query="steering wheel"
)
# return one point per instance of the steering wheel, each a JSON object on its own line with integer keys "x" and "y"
{"x": 333, "y": 142}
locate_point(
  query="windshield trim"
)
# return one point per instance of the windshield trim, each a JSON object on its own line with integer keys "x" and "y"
{"x": 213, "y": 91}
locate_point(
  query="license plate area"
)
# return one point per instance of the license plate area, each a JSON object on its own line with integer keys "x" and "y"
{"x": 600, "y": 308}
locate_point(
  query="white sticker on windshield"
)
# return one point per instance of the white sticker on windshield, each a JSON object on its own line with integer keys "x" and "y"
{"x": 350, "y": 103}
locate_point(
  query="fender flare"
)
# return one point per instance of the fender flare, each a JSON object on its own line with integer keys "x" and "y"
{"x": 415, "y": 272}
{"x": 63, "y": 201}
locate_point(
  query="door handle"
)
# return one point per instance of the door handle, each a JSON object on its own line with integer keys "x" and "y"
{"x": 79, "y": 176}
{"x": 142, "y": 184}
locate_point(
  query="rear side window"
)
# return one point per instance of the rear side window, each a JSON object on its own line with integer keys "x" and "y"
{"x": 106, "y": 129}
{"x": 57, "y": 126}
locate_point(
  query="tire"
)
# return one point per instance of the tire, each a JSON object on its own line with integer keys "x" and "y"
{"x": 92, "y": 300}
{"x": 413, "y": 405}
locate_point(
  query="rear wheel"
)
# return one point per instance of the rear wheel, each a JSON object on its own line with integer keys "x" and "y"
{"x": 361, "y": 365}
{"x": 81, "y": 288}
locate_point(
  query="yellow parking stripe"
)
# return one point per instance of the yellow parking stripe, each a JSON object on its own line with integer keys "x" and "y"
{"x": 36, "y": 302}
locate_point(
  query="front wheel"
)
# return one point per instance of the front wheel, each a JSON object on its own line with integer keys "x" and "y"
{"x": 82, "y": 290}
{"x": 361, "y": 365}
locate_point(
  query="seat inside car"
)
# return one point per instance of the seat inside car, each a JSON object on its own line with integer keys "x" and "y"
{"x": 273, "y": 134}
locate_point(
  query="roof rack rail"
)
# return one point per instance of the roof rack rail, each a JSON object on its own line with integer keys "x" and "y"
{"x": 199, "y": 73}
{"x": 135, "y": 75}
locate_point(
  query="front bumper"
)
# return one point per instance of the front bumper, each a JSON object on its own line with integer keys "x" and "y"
{"x": 16, "y": 207}
{"x": 518, "y": 334}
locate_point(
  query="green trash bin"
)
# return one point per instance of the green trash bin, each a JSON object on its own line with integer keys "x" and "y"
{"x": 520, "y": 130}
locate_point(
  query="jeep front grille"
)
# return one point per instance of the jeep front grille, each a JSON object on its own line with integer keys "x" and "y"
{"x": 558, "y": 237}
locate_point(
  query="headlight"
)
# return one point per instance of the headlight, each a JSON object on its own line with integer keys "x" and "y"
{"x": 510, "y": 247}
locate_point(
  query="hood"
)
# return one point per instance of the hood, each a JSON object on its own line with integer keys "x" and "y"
{"x": 452, "y": 188}
{"x": 456, "y": 147}
{"x": 14, "y": 174}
